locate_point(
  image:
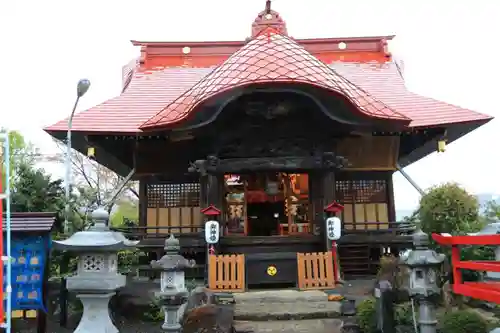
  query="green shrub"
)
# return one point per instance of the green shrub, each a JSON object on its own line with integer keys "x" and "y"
{"x": 367, "y": 316}
{"x": 154, "y": 313}
{"x": 403, "y": 314}
{"x": 463, "y": 321}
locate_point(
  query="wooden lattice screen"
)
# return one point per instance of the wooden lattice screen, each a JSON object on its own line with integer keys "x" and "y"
{"x": 173, "y": 207}
{"x": 365, "y": 203}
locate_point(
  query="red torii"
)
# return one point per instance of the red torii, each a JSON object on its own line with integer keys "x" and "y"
{"x": 488, "y": 290}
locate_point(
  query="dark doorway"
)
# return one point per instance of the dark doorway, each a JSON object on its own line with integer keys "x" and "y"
{"x": 264, "y": 218}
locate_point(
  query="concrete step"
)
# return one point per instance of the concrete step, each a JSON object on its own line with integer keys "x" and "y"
{"x": 291, "y": 326}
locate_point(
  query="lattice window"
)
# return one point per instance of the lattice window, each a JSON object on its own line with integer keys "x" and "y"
{"x": 361, "y": 191}
{"x": 165, "y": 195}
{"x": 93, "y": 263}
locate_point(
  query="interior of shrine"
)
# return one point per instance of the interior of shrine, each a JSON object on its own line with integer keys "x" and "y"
{"x": 267, "y": 204}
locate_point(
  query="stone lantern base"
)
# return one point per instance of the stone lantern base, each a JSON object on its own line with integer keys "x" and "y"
{"x": 95, "y": 317}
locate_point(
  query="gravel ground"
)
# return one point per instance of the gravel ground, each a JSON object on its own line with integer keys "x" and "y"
{"x": 290, "y": 326}
{"x": 123, "y": 327}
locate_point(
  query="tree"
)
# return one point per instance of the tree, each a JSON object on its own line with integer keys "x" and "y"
{"x": 94, "y": 184}
{"x": 127, "y": 210}
{"x": 21, "y": 153}
{"x": 35, "y": 191}
{"x": 492, "y": 210}
{"x": 448, "y": 208}
{"x": 32, "y": 190}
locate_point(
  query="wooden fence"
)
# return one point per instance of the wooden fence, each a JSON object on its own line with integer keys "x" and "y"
{"x": 226, "y": 272}
{"x": 315, "y": 271}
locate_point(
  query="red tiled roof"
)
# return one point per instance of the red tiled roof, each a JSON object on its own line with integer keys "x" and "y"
{"x": 271, "y": 57}
{"x": 148, "y": 93}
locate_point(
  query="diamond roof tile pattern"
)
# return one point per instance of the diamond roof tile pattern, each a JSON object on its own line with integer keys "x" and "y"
{"x": 271, "y": 58}
{"x": 148, "y": 93}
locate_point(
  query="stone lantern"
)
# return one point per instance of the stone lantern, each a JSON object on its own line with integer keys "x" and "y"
{"x": 424, "y": 265}
{"x": 173, "y": 293}
{"x": 97, "y": 277}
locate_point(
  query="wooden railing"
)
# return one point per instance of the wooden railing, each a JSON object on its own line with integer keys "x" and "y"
{"x": 226, "y": 272}
{"x": 161, "y": 232}
{"x": 296, "y": 229}
{"x": 315, "y": 271}
{"x": 397, "y": 228}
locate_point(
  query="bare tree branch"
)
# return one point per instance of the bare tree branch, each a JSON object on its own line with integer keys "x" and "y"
{"x": 94, "y": 181}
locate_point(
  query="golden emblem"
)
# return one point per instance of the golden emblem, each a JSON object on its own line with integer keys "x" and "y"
{"x": 272, "y": 270}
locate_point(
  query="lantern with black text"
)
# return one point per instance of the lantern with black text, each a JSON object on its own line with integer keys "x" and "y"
{"x": 212, "y": 232}
{"x": 334, "y": 232}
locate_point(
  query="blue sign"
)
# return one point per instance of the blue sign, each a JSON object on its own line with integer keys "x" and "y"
{"x": 29, "y": 256}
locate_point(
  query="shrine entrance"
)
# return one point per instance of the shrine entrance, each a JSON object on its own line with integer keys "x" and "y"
{"x": 267, "y": 204}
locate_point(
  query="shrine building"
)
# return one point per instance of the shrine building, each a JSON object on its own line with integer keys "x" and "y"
{"x": 268, "y": 131}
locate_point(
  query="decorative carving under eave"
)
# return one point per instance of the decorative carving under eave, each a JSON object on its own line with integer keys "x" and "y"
{"x": 319, "y": 161}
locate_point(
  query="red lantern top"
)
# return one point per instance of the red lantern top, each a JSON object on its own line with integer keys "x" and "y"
{"x": 211, "y": 211}
{"x": 334, "y": 207}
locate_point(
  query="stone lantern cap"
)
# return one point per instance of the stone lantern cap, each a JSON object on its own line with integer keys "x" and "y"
{"x": 422, "y": 256}
{"x": 98, "y": 238}
{"x": 172, "y": 260}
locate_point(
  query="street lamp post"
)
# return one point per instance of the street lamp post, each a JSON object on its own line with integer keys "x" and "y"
{"x": 81, "y": 88}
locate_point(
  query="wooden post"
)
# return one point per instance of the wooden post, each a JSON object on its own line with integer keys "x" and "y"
{"x": 328, "y": 180}
{"x": 390, "y": 198}
{"x": 213, "y": 189}
{"x": 143, "y": 204}
{"x": 316, "y": 200}
{"x": 336, "y": 274}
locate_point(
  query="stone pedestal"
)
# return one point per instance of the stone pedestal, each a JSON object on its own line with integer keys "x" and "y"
{"x": 97, "y": 277}
{"x": 96, "y": 314}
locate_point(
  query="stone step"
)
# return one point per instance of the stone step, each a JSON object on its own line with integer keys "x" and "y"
{"x": 280, "y": 296}
{"x": 286, "y": 311}
{"x": 290, "y": 326}
{"x": 284, "y": 305}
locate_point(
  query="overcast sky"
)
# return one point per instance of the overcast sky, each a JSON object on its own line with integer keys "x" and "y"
{"x": 450, "y": 50}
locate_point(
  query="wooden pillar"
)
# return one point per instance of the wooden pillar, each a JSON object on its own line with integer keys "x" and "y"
{"x": 328, "y": 196}
{"x": 203, "y": 195}
{"x": 316, "y": 200}
{"x": 391, "y": 207}
{"x": 212, "y": 193}
{"x": 214, "y": 184}
{"x": 143, "y": 203}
